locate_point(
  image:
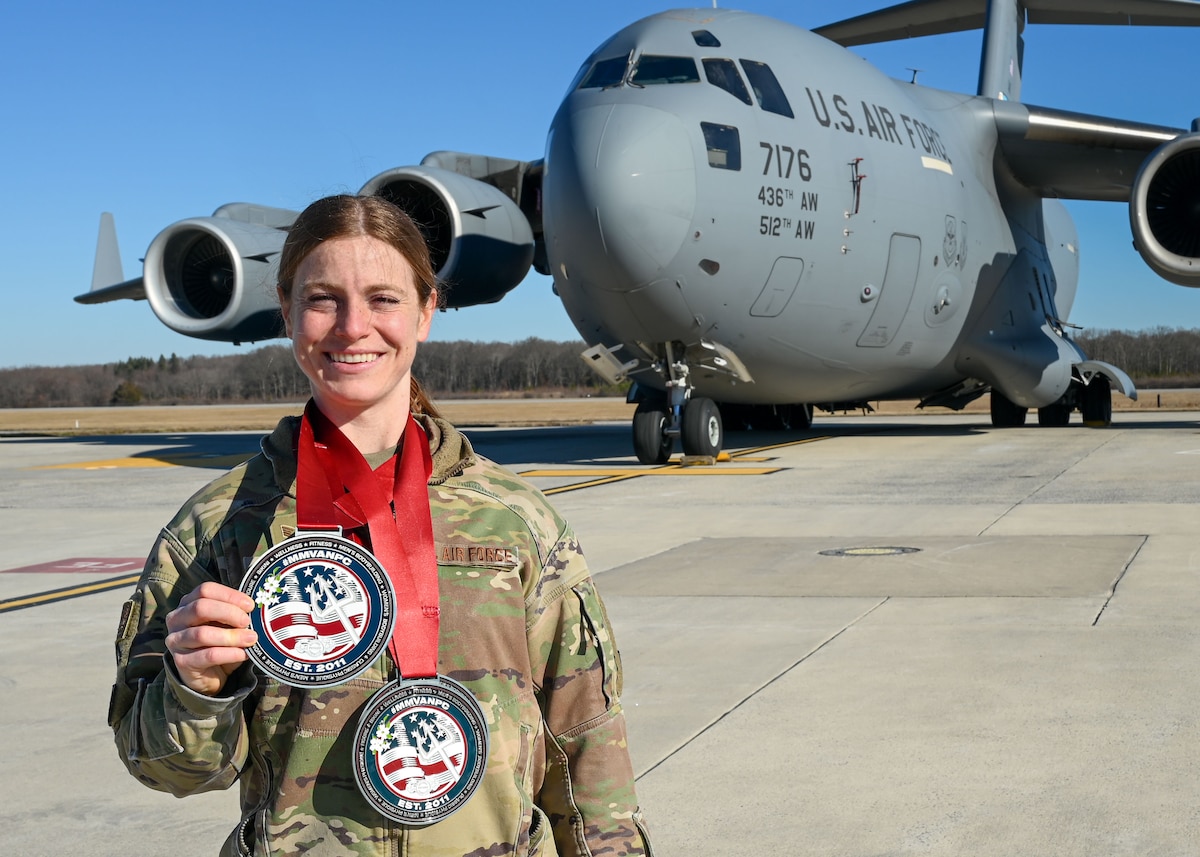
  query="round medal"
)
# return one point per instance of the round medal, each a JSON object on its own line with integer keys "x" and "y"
{"x": 420, "y": 750}
{"x": 324, "y": 610}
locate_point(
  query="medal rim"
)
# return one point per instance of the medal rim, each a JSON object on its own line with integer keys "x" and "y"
{"x": 473, "y": 721}
{"x": 380, "y": 640}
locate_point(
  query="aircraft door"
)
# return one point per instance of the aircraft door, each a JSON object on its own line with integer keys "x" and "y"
{"x": 781, "y": 285}
{"x": 894, "y": 295}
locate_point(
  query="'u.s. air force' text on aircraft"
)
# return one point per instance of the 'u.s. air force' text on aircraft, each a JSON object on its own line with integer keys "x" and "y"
{"x": 738, "y": 211}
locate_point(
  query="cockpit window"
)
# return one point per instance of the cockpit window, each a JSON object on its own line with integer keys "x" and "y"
{"x": 609, "y": 72}
{"x": 705, "y": 39}
{"x": 724, "y": 73}
{"x": 655, "y": 70}
{"x": 766, "y": 88}
{"x": 724, "y": 146}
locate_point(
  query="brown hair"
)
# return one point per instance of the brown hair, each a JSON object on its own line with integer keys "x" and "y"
{"x": 349, "y": 216}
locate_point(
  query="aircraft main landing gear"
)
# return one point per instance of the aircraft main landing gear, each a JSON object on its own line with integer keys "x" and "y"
{"x": 1097, "y": 402}
{"x": 1006, "y": 413}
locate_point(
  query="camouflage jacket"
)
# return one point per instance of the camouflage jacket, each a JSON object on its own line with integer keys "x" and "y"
{"x": 522, "y": 628}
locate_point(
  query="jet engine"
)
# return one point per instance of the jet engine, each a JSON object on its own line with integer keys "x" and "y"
{"x": 214, "y": 277}
{"x": 481, "y": 242}
{"x": 1164, "y": 210}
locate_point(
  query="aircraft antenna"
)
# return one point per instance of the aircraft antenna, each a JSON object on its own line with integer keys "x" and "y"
{"x": 915, "y": 72}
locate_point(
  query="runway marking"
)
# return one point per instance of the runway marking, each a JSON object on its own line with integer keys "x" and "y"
{"x": 223, "y": 461}
{"x": 80, "y": 565}
{"x": 53, "y": 595}
{"x": 609, "y": 475}
{"x": 666, "y": 470}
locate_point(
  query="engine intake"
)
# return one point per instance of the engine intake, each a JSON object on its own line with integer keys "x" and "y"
{"x": 214, "y": 278}
{"x": 480, "y": 240}
{"x": 1164, "y": 210}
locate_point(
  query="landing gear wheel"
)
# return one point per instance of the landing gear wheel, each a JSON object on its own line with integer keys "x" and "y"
{"x": 650, "y": 439}
{"x": 1056, "y": 414}
{"x": 1097, "y": 402}
{"x": 1005, "y": 413}
{"x": 702, "y": 430}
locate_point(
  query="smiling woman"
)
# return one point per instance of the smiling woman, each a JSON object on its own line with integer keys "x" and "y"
{"x": 388, "y": 640}
{"x": 355, "y": 309}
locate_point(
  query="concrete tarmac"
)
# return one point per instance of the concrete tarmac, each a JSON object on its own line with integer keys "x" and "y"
{"x": 916, "y": 636}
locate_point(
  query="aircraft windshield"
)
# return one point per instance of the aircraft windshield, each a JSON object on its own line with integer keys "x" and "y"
{"x": 766, "y": 87}
{"x": 653, "y": 70}
{"x": 724, "y": 73}
{"x": 609, "y": 72}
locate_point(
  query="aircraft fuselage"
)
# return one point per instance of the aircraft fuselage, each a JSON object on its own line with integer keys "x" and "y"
{"x": 836, "y": 233}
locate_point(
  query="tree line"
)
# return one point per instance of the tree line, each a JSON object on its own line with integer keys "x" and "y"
{"x": 1159, "y": 357}
{"x": 270, "y": 374}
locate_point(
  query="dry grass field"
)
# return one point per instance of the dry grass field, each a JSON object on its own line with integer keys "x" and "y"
{"x": 474, "y": 412}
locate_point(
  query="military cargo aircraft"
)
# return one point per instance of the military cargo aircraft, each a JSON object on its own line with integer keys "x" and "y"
{"x": 750, "y": 221}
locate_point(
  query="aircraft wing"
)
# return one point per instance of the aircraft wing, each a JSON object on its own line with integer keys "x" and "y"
{"x": 1073, "y": 155}
{"x": 933, "y": 17}
{"x": 133, "y": 290}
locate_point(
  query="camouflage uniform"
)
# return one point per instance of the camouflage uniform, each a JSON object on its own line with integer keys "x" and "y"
{"x": 522, "y": 628}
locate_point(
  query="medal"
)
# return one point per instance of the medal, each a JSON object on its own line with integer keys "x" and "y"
{"x": 323, "y": 610}
{"x": 421, "y": 745}
{"x": 420, "y": 750}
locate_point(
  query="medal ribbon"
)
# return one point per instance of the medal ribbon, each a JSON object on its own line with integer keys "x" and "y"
{"x": 335, "y": 487}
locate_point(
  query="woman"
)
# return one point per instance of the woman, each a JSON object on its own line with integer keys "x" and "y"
{"x": 521, "y": 626}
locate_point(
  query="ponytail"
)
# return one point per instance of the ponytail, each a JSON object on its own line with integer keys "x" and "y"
{"x": 420, "y": 402}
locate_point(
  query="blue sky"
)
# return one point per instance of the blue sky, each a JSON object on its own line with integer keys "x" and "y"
{"x": 161, "y": 111}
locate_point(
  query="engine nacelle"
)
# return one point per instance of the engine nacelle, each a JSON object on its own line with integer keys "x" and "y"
{"x": 214, "y": 278}
{"x": 1164, "y": 210}
{"x": 481, "y": 242}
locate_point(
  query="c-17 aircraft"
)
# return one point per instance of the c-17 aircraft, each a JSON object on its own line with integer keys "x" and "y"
{"x": 750, "y": 221}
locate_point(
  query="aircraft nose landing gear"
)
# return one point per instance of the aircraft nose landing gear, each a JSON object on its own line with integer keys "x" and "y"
{"x": 703, "y": 433}
{"x": 656, "y": 425}
{"x": 676, "y": 413}
{"x": 695, "y": 420}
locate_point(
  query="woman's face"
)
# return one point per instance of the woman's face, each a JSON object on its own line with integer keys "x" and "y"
{"x": 355, "y": 319}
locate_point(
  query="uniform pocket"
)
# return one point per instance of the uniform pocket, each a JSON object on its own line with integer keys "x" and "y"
{"x": 541, "y": 843}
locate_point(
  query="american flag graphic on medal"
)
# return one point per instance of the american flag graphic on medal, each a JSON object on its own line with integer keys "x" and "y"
{"x": 420, "y": 750}
{"x": 324, "y": 610}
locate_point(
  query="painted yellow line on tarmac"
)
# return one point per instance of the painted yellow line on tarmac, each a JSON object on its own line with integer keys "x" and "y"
{"x": 106, "y": 464}
{"x": 215, "y": 461}
{"x": 755, "y": 450}
{"x": 669, "y": 470}
{"x": 66, "y": 592}
{"x": 562, "y": 489}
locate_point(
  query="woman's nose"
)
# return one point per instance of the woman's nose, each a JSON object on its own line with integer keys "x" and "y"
{"x": 354, "y": 318}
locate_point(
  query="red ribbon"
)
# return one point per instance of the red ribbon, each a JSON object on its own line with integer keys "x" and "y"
{"x": 335, "y": 487}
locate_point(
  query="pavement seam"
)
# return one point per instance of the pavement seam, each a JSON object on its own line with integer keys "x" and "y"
{"x": 1034, "y": 492}
{"x": 1112, "y": 590}
{"x": 764, "y": 686}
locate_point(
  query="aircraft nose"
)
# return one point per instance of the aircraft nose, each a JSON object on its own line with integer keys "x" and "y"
{"x": 619, "y": 193}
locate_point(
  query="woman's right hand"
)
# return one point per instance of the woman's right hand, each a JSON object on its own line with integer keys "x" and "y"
{"x": 208, "y": 634}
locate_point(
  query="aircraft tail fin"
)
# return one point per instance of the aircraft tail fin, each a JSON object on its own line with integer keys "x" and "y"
{"x": 107, "y": 269}
{"x": 108, "y": 275}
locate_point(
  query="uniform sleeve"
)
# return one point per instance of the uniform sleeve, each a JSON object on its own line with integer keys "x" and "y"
{"x": 168, "y": 736}
{"x": 588, "y": 793}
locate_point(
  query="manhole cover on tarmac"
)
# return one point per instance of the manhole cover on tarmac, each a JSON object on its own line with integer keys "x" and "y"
{"x": 876, "y": 551}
